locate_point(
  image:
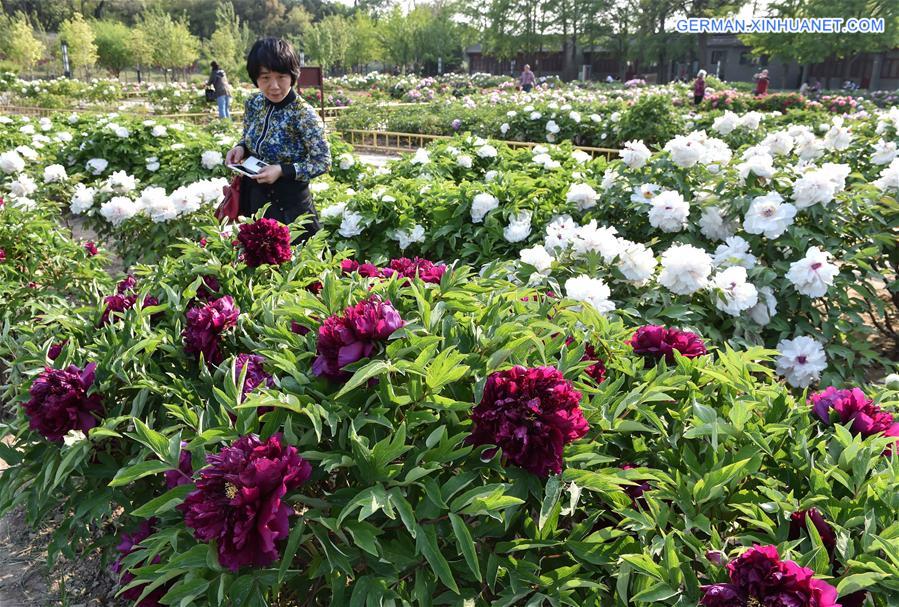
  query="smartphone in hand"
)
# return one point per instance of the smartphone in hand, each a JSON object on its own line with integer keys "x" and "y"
{"x": 248, "y": 166}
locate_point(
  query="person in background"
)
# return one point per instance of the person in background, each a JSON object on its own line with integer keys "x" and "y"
{"x": 699, "y": 87}
{"x": 761, "y": 84}
{"x": 284, "y": 131}
{"x": 527, "y": 79}
{"x": 803, "y": 89}
{"x": 219, "y": 82}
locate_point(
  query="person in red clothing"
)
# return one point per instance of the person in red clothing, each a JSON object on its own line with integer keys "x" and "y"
{"x": 761, "y": 84}
{"x": 527, "y": 79}
{"x": 699, "y": 87}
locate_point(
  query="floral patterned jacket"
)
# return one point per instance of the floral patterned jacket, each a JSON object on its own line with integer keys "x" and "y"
{"x": 289, "y": 133}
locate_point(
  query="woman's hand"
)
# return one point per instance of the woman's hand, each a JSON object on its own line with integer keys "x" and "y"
{"x": 234, "y": 155}
{"x": 269, "y": 174}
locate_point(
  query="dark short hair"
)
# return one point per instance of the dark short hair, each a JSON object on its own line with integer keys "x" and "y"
{"x": 215, "y": 66}
{"x": 275, "y": 55}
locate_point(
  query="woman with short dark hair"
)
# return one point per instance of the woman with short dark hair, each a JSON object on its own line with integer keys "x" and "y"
{"x": 284, "y": 131}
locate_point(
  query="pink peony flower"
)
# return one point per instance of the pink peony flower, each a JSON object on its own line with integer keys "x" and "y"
{"x": 59, "y": 402}
{"x": 425, "y": 270}
{"x": 654, "y": 342}
{"x": 238, "y": 502}
{"x": 205, "y": 325}
{"x": 343, "y": 340}
{"x": 90, "y": 248}
{"x": 855, "y": 409}
{"x": 209, "y": 287}
{"x": 126, "y": 285}
{"x": 531, "y": 414}
{"x": 597, "y": 371}
{"x": 265, "y": 241}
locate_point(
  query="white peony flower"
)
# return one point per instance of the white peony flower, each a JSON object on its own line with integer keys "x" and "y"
{"x": 801, "y": 361}
{"x": 121, "y": 132}
{"x": 889, "y": 178}
{"x": 536, "y": 115}
{"x": 732, "y": 293}
{"x": 761, "y": 165}
{"x": 552, "y": 127}
{"x": 351, "y": 225}
{"x": 63, "y": 137}
{"x": 55, "y": 173}
{"x": 159, "y": 131}
{"x": 519, "y": 227}
{"x": 820, "y": 185}
{"x": 96, "y": 165}
{"x": 152, "y": 164}
{"x": 407, "y": 237}
{"x": 590, "y": 290}
{"x": 27, "y": 153}
{"x": 23, "y": 186}
{"x": 734, "y": 252}
{"x": 591, "y": 238}
{"x": 636, "y": 261}
{"x": 464, "y": 161}
{"x": 481, "y": 205}
{"x": 11, "y": 162}
{"x": 121, "y": 182}
{"x": 560, "y": 233}
{"x": 580, "y": 156}
{"x": 685, "y": 151}
{"x": 82, "y": 199}
{"x": 750, "y": 121}
{"x": 490, "y": 176}
{"x": 157, "y": 205}
{"x": 609, "y": 178}
{"x": 333, "y": 211}
{"x": 24, "y": 203}
{"x": 714, "y": 226}
{"x": 779, "y": 143}
{"x": 486, "y": 151}
{"x": 575, "y": 117}
{"x": 813, "y": 274}
{"x": 537, "y": 257}
{"x": 73, "y": 436}
{"x": 211, "y": 159}
{"x": 769, "y": 215}
{"x": 645, "y": 194}
{"x": 504, "y": 128}
{"x": 118, "y": 209}
{"x": 685, "y": 269}
{"x": 726, "y": 123}
{"x": 669, "y": 212}
{"x": 582, "y": 195}
{"x": 884, "y": 152}
{"x": 27, "y": 129}
{"x": 346, "y": 161}
{"x": 635, "y": 154}
{"x": 837, "y": 137}
{"x": 763, "y": 311}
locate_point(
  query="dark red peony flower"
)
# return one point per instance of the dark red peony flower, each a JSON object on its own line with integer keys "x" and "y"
{"x": 60, "y": 402}
{"x": 853, "y": 408}
{"x": 298, "y": 328}
{"x": 118, "y": 304}
{"x": 531, "y": 414}
{"x": 90, "y": 248}
{"x": 2, "y": 255}
{"x": 203, "y": 242}
{"x": 183, "y": 475}
{"x": 597, "y": 370}
{"x": 654, "y": 342}
{"x": 209, "y": 287}
{"x": 265, "y": 241}
{"x": 315, "y": 287}
{"x": 635, "y": 491}
{"x": 239, "y": 503}
{"x": 56, "y": 349}
{"x": 126, "y": 285}
{"x": 128, "y": 545}
{"x": 343, "y": 340}
{"x": 799, "y": 520}
{"x": 759, "y": 577}
{"x": 256, "y": 374}
{"x": 205, "y": 325}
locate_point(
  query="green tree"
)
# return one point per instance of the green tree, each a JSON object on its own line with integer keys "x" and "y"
{"x": 229, "y": 42}
{"x": 78, "y": 35}
{"x": 113, "y": 40}
{"x": 174, "y": 47}
{"x": 329, "y": 40}
{"x": 397, "y": 38}
{"x": 22, "y": 47}
{"x": 140, "y": 48}
{"x": 364, "y": 44}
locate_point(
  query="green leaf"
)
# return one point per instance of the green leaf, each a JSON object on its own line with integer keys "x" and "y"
{"x": 426, "y": 540}
{"x": 551, "y": 495}
{"x": 466, "y": 544}
{"x": 132, "y": 473}
{"x": 165, "y": 502}
{"x": 153, "y": 440}
{"x": 372, "y": 369}
{"x": 291, "y": 549}
{"x": 859, "y": 581}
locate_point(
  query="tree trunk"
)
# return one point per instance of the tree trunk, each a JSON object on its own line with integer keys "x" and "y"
{"x": 703, "y": 41}
{"x": 874, "y": 84}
